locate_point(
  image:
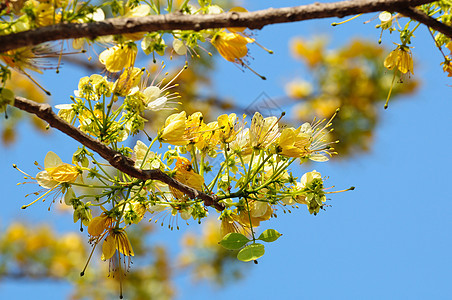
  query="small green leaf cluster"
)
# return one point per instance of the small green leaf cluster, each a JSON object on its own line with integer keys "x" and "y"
{"x": 252, "y": 251}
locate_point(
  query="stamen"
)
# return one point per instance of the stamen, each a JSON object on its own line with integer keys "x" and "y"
{"x": 46, "y": 193}
{"x": 251, "y": 69}
{"x": 82, "y": 273}
{"x": 390, "y": 90}
{"x": 175, "y": 77}
{"x": 268, "y": 50}
{"x": 26, "y": 175}
{"x": 35, "y": 82}
{"x": 346, "y": 190}
{"x": 340, "y": 23}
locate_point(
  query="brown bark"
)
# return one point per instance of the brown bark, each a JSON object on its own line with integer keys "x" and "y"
{"x": 252, "y": 20}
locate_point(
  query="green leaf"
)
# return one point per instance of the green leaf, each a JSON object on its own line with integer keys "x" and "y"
{"x": 251, "y": 252}
{"x": 234, "y": 241}
{"x": 269, "y": 235}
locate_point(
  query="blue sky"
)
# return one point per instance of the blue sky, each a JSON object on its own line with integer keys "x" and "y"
{"x": 387, "y": 239}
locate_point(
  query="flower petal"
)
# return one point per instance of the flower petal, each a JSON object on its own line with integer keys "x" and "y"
{"x": 52, "y": 160}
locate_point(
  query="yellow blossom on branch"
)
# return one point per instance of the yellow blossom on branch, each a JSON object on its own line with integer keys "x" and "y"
{"x": 294, "y": 142}
{"x": 174, "y": 129}
{"x": 99, "y": 224}
{"x": 258, "y": 211}
{"x": 56, "y": 171}
{"x": 186, "y": 175}
{"x": 117, "y": 242}
{"x": 400, "y": 59}
{"x": 46, "y": 15}
{"x": 119, "y": 57}
{"x": 232, "y": 46}
{"x": 231, "y": 222}
{"x": 263, "y": 132}
{"x": 227, "y": 127}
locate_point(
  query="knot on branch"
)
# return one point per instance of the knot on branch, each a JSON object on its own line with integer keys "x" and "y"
{"x": 234, "y": 16}
{"x": 194, "y": 193}
{"x": 45, "y": 109}
{"x": 117, "y": 159}
{"x": 130, "y": 24}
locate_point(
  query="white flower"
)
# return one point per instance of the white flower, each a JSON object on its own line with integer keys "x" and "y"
{"x": 307, "y": 179}
{"x": 179, "y": 47}
{"x": 150, "y": 162}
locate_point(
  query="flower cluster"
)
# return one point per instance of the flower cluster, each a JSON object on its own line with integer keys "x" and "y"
{"x": 243, "y": 170}
{"x": 97, "y": 109}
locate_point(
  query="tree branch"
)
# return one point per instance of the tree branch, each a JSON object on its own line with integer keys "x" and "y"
{"x": 120, "y": 162}
{"x": 173, "y": 21}
{"x": 423, "y": 18}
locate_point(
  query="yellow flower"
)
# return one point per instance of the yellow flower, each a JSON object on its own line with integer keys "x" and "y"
{"x": 227, "y": 125}
{"x": 127, "y": 80}
{"x": 298, "y": 89}
{"x": 173, "y": 132}
{"x": 232, "y": 46}
{"x": 208, "y": 137}
{"x": 308, "y": 141}
{"x": 230, "y": 222}
{"x": 54, "y": 175}
{"x": 92, "y": 87}
{"x": 29, "y": 58}
{"x": 258, "y": 211}
{"x": 117, "y": 240}
{"x": 22, "y": 58}
{"x": 401, "y": 59}
{"x": 45, "y": 15}
{"x": 6, "y": 98}
{"x": 447, "y": 67}
{"x": 241, "y": 143}
{"x": 99, "y": 224}
{"x": 144, "y": 158}
{"x": 294, "y": 142}
{"x": 263, "y": 131}
{"x": 193, "y": 125}
{"x": 135, "y": 211}
{"x": 312, "y": 53}
{"x": 312, "y": 193}
{"x": 119, "y": 57}
{"x": 56, "y": 172}
{"x": 186, "y": 175}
